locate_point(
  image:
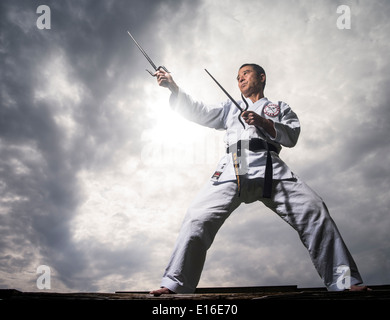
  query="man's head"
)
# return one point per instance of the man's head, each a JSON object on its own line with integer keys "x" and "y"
{"x": 251, "y": 79}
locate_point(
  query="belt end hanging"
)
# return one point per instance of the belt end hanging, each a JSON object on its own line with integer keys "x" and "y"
{"x": 268, "y": 177}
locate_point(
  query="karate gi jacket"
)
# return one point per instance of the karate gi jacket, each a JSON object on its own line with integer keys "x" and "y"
{"x": 225, "y": 117}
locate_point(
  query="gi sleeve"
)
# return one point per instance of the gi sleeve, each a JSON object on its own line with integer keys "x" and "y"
{"x": 287, "y": 127}
{"x": 198, "y": 112}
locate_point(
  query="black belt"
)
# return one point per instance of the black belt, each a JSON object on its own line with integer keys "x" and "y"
{"x": 254, "y": 145}
{"x": 258, "y": 145}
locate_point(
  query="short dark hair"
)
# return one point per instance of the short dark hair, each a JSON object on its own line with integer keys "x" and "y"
{"x": 258, "y": 69}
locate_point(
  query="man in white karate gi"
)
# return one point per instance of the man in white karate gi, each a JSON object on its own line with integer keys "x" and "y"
{"x": 240, "y": 178}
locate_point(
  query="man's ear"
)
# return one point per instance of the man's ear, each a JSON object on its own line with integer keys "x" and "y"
{"x": 263, "y": 79}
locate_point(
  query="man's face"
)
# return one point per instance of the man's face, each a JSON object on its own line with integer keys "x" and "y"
{"x": 248, "y": 81}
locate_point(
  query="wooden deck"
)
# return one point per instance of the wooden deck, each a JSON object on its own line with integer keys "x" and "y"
{"x": 378, "y": 292}
{"x": 206, "y": 303}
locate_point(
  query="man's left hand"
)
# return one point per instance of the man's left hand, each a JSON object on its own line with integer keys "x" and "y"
{"x": 253, "y": 119}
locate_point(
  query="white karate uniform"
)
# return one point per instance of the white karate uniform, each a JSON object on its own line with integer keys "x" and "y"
{"x": 291, "y": 199}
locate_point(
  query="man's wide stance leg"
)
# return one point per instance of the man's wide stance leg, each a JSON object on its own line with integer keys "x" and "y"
{"x": 207, "y": 213}
{"x": 306, "y": 212}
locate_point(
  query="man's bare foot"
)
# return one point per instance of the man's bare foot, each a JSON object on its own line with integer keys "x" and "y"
{"x": 161, "y": 291}
{"x": 359, "y": 288}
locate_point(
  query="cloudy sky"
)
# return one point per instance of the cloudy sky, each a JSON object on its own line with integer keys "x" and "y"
{"x": 96, "y": 171}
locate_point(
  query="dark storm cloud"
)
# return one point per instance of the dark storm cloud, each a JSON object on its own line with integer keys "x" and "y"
{"x": 39, "y": 164}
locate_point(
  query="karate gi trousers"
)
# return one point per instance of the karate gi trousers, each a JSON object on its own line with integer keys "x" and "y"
{"x": 292, "y": 200}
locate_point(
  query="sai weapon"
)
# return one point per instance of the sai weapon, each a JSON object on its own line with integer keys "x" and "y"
{"x": 268, "y": 175}
{"x": 230, "y": 97}
{"x": 147, "y": 57}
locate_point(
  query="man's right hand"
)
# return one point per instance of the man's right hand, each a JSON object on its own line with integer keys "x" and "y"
{"x": 164, "y": 79}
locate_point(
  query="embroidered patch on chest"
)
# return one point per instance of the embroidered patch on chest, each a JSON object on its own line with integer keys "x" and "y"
{"x": 272, "y": 110}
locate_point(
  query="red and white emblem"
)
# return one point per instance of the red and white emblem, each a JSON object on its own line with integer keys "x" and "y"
{"x": 272, "y": 110}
